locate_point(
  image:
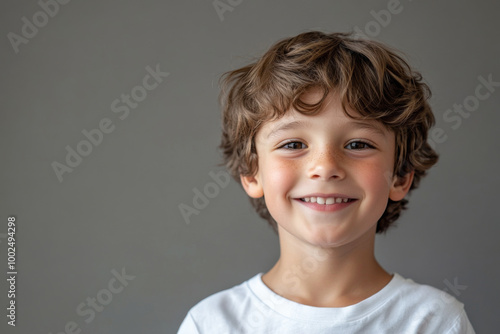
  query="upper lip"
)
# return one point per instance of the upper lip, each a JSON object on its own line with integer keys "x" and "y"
{"x": 323, "y": 195}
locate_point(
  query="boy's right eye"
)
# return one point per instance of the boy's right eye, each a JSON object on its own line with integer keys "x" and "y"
{"x": 294, "y": 145}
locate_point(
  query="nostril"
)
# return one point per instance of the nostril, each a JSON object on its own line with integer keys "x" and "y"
{"x": 327, "y": 173}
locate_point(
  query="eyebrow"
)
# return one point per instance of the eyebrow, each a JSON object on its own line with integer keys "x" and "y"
{"x": 369, "y": 126}
{"x": 286, "y": 126}
{"x": 298, "y": 124}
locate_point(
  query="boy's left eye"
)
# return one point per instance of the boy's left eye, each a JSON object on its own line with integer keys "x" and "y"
{"x": 358, "y": 145}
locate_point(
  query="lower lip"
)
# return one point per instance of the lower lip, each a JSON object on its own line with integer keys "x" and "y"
{"x": 326, "y": 207}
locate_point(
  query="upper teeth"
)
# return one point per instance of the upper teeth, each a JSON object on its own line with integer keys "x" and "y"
{"x": 322, "y": 200}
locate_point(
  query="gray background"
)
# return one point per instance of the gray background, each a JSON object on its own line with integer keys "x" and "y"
{"x": 120, "y": 207}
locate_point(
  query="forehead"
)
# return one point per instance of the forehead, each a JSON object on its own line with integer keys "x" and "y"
{"x": 331, "y": 115}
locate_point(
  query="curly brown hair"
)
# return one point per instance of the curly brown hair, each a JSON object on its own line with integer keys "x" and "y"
{"x": 369, "y": 77}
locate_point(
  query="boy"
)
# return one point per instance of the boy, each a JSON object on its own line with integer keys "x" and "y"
{"x": 327, "y": 135}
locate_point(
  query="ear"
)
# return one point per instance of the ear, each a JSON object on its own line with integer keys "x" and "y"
{"x": 400, "y": 186}
{"x": 252, "y": 186}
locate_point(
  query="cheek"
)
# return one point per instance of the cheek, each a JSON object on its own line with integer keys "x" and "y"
{"x": 280, "y": 175}
{"x": 279, "y": 178}
{"x": 377, "y": 179}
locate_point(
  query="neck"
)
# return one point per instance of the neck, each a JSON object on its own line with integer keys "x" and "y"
{"x": 326, "y": 277}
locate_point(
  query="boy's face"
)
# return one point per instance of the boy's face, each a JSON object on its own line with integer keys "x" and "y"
{"x": 326, "y": 178}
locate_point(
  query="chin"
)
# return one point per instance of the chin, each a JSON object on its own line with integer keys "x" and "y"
{"x": 326, "y": 237}
{"x": 336, "y": 236}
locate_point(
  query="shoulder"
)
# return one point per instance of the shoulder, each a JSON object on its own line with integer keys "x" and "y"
{"x": 222, "y": 311}
{"x": 413, "y": 294}
{"x": 430, "y": 309}
{"x": 222, "y": 299}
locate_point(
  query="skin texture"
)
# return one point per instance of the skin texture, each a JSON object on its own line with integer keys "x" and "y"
{"x": 327, "y": 257}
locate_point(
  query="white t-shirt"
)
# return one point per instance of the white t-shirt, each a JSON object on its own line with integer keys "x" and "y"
{"x": 402, "y": 307}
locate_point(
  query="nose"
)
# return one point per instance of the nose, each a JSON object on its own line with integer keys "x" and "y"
{"x": 327, "y": 164}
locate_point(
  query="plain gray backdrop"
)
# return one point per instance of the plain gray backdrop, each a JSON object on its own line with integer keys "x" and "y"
{"x": 118, "y": 209}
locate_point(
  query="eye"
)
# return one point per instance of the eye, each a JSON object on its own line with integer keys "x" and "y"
{"x": 294, "y": 145}
{"x": 358, "y": 145}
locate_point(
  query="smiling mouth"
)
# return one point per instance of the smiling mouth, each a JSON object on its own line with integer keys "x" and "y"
{"x": 327, "y": 200}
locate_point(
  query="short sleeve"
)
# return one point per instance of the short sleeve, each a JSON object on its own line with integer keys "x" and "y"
{"x": 462, "y": 325}
{"x": 188, "y": 326}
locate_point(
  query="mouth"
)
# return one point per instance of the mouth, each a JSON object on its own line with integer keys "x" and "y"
{"x": 326, "y": 200}
{"x": 330, "y": 203}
